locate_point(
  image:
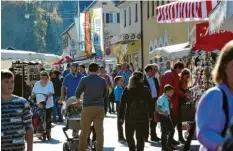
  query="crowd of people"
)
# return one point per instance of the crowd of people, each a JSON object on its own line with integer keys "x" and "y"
{"x": 139, "y": 98}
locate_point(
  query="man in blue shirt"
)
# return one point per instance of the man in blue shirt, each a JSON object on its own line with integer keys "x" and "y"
{"x": 71, "y": 82}
{"x": 163, "y": 107}
{"x": 125, "y": 73}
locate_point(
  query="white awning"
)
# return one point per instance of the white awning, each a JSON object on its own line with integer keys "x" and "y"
{"x": 221, "y": 18}
{"x": 27, "y": 55}
{"x": 172, "y": 52}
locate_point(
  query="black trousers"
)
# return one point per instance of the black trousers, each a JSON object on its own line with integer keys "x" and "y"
{"x": 92, "y": 130}
{"x": 120, "y": 128}
{"x": 111, "y": 107}
{"x": 177, "y": 121}
{"x": 140, "y": 130}
{"x": 167, "y": 130}
{"x": 48, "y": 119}
{"x": 117, "y": 106}
{"x": 190, "y": 136}
{"x": 151, "y": 125}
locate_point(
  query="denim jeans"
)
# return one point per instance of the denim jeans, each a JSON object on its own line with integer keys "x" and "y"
{"x": 56, "y": 108}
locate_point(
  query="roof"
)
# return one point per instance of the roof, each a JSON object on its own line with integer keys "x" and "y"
{"x": 71, "y": 25}
{"x": 120, "y": 2}
{"x": 94, "y": 1}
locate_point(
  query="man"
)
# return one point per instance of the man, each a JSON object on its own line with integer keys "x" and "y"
{"x": 95, "y": 90}
{"x": 67, "y": 71}
{"x": 71, "y": 82}
{"x": 152, "y": 83}
{"x": 115, "y": 71}
{"x": 19, "y": 82}
{"x": 125, "y": 73}
{"x": 172, "y": 77}
{"x": 16, "y": 118}
{"x": 109, "y": 84}
{"x": 83, "y": 69}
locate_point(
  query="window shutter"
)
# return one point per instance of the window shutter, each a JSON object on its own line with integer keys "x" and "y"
{"x": 118, "y": 17}
{"x": 107, "y": 17}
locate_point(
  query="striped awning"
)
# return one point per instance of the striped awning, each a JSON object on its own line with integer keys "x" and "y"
{"x": 185, "y": 10}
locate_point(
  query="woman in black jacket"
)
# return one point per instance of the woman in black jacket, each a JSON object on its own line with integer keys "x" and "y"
{"x": 136, "y": 109}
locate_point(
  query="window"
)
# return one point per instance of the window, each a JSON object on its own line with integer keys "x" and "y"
{"x": 153, "y": 8}
{"x": 157, "y": 3}
{"x": 124, "y": 18}
{"x": 112, "y": 18}
{"x": 148, "y": 9}
{"x": 129, "y": 15}
{"x": 163, "y": 2}
{"x": 65, "y": 42}
{"x": 136, "y": 13}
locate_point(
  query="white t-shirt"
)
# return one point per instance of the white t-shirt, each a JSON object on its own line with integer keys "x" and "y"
{"x": 44, "y": 90}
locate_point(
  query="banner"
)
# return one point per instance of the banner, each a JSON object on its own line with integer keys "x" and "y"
{"x": 203, "y": 40}
{"x": 87, "y": 28}
{"x": 82, "y": 32}
{"x": 97, "y": 32}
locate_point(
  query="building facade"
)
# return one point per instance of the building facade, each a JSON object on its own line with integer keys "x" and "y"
{"x": 157, "y": 35}
{"x": 129, "y": 37}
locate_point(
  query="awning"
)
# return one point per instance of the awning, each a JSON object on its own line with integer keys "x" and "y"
{"x": 221, "y": 18}
{"x": 185, "y": 10}
{"x": 172, "y": 52}
{"x": 201, "y": 39}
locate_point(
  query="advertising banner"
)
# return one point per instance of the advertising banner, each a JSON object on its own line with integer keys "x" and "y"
{"x": 87, "y": 28}
{"x": 82, "y": 32}
{"x": 97, "y": 32}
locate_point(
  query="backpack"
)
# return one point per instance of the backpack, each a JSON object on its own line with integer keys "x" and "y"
{"x": 138, "y": 110}
{"x": 226, "y": 111}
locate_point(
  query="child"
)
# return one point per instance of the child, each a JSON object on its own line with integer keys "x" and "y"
{"x": 163, "y": 107}
{"x": 16, "y": 118}
{"x": 118, "y": 92}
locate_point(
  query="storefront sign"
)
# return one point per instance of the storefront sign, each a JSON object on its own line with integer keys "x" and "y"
{"x": 203, "y": 40}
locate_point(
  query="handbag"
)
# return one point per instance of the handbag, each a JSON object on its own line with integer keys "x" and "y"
{"x": 187, "y": 112}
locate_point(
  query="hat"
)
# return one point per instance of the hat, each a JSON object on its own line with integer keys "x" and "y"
{"x": 12, "y": 69}
{"x": 75, "y": 64}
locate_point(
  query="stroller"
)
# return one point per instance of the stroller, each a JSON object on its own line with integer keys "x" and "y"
{"x": 39, "y": 117}
{"x": 72, "y": 121}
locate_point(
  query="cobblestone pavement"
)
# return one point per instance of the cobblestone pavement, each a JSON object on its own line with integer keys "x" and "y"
{"x": 110, "y": 139}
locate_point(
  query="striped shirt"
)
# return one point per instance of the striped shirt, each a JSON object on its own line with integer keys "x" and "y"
{"x": 126, "y": 75}
{"x": 16, "y": 118}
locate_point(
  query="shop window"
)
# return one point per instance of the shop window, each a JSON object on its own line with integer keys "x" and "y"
{"x": 153, "y": 8}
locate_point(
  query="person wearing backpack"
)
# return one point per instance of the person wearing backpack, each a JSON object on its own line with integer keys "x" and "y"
{"x": 215, "y": 108}
{"x": 136, "y": 109}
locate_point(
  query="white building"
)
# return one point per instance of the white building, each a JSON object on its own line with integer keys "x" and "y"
{"x": 130, "y": 34}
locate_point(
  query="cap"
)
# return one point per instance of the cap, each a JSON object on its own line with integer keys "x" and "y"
{"x": 75, "y": 64}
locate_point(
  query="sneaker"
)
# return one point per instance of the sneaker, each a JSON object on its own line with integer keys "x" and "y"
{"x": 174, "y": 142}
{"x": 173, "y": 147}
{"x": 155, "y": 139}
{"x": 121, "y": 140}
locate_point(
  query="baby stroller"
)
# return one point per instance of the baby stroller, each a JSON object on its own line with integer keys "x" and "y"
{"x": 39, "y": 117}
{"x": 72, "y": 121}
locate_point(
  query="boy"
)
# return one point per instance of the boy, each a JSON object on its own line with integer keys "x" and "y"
{"x": 163, "y": 107}
{"x": 118, "y": 92}
{"x": 16, "y": 118}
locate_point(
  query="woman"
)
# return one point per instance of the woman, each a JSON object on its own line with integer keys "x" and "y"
{"x": 211, "y": 114}
{"x": 184, "y": 85}
{"x": 56, "y": 97}
{"x": 44, "y": 90}
{"x": 136, "y": 102}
